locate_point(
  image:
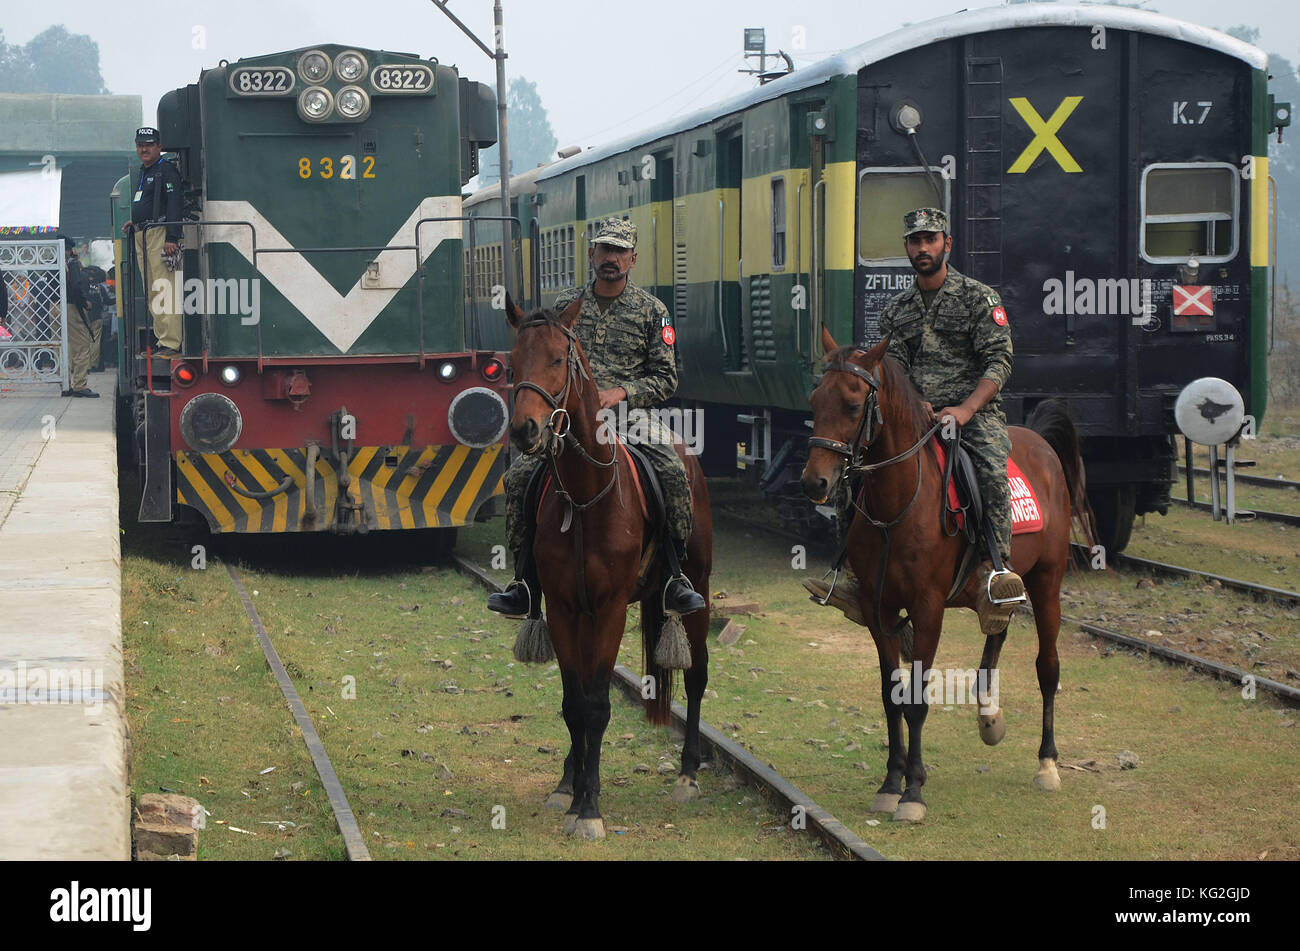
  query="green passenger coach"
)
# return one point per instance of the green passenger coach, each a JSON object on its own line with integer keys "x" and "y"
{"x": 1101, "y": 168}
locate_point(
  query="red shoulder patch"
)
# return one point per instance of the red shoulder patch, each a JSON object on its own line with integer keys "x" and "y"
{"x": 999, "y": 316}
{"x": 669, "y": 335}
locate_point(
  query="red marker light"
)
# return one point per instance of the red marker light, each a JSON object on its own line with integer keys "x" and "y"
{"x": 493, "y": 370}
{"x": 185, "y": 375}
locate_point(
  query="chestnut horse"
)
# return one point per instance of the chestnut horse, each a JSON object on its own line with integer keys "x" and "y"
{"x": 901, "y": 495}
{"x": 589, "y": 544}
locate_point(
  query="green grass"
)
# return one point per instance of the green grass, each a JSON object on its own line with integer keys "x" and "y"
{"x": 1217, "y": 774}
{"x": 1262, "y": 552}
{"x": 444, "y": 741}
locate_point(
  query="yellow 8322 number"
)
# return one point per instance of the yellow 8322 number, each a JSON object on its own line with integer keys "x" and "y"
{"x": 346, "y": 167}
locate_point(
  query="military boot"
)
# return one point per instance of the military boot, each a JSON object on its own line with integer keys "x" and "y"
{"x": 844, "y": 596}
{"x": 679, "y": 596}
{"x": 524, "y": 593}
{"x": 1000, "y": 592}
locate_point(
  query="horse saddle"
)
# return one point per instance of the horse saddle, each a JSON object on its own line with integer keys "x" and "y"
{"x": 962, "y": 501}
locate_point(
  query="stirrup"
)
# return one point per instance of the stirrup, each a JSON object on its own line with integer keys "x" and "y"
{"x": 1020, "y": 598}
{"x": 663, "y": 596}
{"x": 518, "y": 582}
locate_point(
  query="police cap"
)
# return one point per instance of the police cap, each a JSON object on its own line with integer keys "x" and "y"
{"x": 146, "y": 133}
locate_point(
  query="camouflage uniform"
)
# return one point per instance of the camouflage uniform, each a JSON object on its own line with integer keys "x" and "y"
{"x": 625, "y": 347}
{"x": 947, "y": 350}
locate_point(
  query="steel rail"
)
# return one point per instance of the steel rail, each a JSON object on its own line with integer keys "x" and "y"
{"x": 353, "y": 840}
{"x": 1222, "y": 671}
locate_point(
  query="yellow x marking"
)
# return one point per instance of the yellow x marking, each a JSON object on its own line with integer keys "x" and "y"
{"x": 1045, "y": 134}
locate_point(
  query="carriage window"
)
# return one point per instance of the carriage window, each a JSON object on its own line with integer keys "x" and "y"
{"x": 1189, "y": 211}
{"x": 884, "y": 196}
{"x": 778, "y": 222}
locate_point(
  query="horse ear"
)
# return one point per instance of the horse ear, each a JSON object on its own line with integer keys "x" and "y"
{"x": 513, "y": 313}
{"x": 828, "y": 342}
{"x": 877, "y": 353}
{"x": 569, "y": 316}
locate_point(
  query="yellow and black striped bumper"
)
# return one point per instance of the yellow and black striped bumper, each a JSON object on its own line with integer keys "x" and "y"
{"x": 395, "y": 487}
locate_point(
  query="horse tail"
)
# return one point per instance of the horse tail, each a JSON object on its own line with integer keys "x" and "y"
{"x": 659, "y": 701}
{"x": 1051, "y": 419}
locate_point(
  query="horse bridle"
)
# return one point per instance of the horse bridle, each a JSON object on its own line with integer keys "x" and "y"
{"x": 869, "y": 427}
{"x": 564, "y": 437}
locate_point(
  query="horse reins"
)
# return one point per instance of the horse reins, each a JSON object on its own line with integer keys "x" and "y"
{"x": 565, "y": 437}
{"x": 869, "y": 426}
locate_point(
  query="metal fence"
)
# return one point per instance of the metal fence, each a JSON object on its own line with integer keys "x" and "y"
{"x": 34, "y": 334}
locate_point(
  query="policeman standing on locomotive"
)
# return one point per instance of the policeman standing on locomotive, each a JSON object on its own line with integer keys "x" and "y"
{"x": 951, "y": 334}
{"x": 621, "y": 329}
{"x": 158, "y": 198}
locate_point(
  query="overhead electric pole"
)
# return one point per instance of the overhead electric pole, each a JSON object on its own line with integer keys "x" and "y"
{"x": 508, "y": 258}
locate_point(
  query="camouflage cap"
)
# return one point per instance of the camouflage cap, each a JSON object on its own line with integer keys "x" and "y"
{"x": 925, "y": 219}
{"x": 616, "y": 231}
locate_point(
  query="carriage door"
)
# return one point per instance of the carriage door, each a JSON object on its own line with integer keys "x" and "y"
{"x": 1046, "y": 199}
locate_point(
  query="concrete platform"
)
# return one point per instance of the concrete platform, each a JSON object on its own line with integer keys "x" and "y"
{"x": 63, "y": 734}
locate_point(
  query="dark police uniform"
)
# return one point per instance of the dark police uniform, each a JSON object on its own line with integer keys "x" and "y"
{"x": 157, "y": 197}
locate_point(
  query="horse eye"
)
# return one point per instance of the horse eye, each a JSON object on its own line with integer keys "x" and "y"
{"x": 853, "y": 409}
{"x": 557, "y": 361}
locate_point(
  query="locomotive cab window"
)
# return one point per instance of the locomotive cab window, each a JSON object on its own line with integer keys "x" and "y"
{"x": 884, "y": 196}
{"x": 1189, "y": 210}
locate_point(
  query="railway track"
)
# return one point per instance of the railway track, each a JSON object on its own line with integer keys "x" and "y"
{"x": 1246, "y": 479}
{"x": 353, "y": 841}
{"x": 1282, "y": 518}
{"x": 842, "y": 842}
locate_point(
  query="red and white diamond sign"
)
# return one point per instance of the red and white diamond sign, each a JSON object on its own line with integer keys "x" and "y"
{"x": 1194, "y": 300}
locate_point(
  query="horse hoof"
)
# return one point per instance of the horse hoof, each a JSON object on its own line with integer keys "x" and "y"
{"x": 685, "y": 790}
{"x": 909, "y": 812}
{"x": 590, "y": 829}
{"x": 559, "y": 801}
{"x": 885, "y": 802}
{"x": 992, "y": 728}
{"x": 570, "y": 823}
{"x": 1047, "y": 778}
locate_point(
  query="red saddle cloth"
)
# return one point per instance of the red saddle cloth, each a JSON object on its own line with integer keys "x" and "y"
{"x": 1025, "y": 514}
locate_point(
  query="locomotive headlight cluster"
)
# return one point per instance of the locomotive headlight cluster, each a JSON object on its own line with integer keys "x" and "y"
{"x": 315, "y": 104}
{"x": 353, "y": 102}
{"x": 351, "y": 66}
{"x": 314, "y": 67}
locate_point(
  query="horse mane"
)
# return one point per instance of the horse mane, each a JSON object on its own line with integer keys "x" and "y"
{"x": 903, "y": 405}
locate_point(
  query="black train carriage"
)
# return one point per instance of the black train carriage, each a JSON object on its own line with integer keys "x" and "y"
{"x": 1104, "y": 169}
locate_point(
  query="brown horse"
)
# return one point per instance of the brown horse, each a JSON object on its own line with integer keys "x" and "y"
{"x": 590, "y": 544}
{"x": 901, "y": 495}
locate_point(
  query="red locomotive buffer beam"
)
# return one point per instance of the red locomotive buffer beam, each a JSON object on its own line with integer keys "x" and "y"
{"x": 395, "y": 447}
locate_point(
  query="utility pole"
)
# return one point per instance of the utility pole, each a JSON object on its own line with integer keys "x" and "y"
{"x": 507, "y": 257}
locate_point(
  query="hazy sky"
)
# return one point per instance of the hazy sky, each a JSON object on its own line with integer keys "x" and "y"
{"x": 603, "y": 69}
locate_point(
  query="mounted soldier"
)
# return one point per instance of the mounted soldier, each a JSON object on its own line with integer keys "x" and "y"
{"x": 625, "y": 334}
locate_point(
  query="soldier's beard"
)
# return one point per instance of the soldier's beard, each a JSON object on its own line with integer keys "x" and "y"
{"x": 931, "y": 267}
